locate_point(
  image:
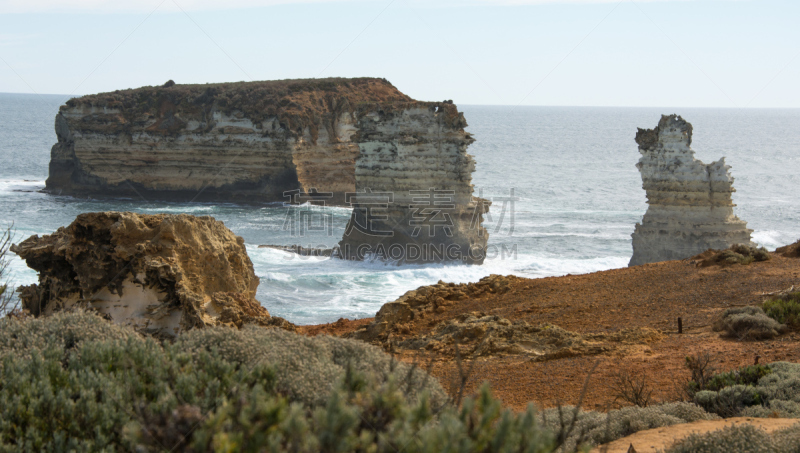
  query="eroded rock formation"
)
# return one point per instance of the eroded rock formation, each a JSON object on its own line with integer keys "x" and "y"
{"x": 413, "y": 175}
{"x": 161, "y": 274}
{"x": 416, "y": 303}
{"x": 478, "y": 334}
{"x": 401, "y": 164}
{"x": 690, "y": 209}
{"x": 244, "y": 142}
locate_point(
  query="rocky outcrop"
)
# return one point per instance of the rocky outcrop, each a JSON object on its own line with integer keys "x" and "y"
{"x": 689, "y": 203}
{"x": 477, "y": 334}
{"x": 413, "y": 176}
{"x": 243, "y": 142}
{"x": 789, "y": 251}
{"x": 162, "y": 274}
{"x": 401, "y": 164}
{"x": 433, "y": 298}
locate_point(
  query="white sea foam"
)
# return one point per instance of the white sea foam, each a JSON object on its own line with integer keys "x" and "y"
{"x": 772, "y": 239}
{"x": 579, "y": 197}
{"x": 20, "y": 185}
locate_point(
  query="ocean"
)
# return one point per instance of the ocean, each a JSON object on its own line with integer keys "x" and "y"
{"x": 566, "y": 197}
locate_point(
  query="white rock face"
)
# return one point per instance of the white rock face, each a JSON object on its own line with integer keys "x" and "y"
{"x": 690, "y": 209}
{"x": 241, "y": 142}
{"x": 414, "y": 177}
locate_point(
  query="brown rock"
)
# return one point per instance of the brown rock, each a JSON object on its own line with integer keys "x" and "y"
{"x": 789, "y": 251}
{"x": 159, "y": 273}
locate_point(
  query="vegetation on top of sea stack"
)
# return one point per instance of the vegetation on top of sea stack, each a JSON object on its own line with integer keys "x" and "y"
{"x": 296, "y": 104}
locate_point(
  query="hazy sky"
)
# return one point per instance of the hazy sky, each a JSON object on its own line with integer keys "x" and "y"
{"x": 682, "y": 53}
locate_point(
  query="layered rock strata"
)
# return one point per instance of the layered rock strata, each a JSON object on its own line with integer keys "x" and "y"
{"x": 401, "y": 164}
{"x": 242, "y": 142}
{"x": 162, "y": 274}
{"x": 414, "y": 200}
{"x": 690, "y": 209}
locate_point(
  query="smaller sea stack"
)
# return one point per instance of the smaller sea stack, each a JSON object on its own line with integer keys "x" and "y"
{"x": 690, "y": 209}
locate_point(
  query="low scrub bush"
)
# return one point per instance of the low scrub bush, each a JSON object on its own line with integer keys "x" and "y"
{"x": 758, "y": 390}
{"x": 735, "y": 254}
{"x": 748, "y": 375}
{"x": 742, "y": 438}
{"x": 785, "y": 310}
{"x": 597, "y": 428}
{"x": 748, "y": 323}
{"x": 703, "y": 368}
{"x": 8, "y": 302}
{"x": 75, "y": 382}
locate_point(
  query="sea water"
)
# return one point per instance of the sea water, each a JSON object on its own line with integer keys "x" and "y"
{"x": 566, "y": 197}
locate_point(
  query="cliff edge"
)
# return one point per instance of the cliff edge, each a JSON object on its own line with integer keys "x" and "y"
{"x": 241, "y": 142}
{"x": 690, "y": 209}
{"x": 161, "y": 273}
{"x": 402, "y": 165}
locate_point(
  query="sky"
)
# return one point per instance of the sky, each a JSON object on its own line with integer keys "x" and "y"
{"x": 669, "y": 53}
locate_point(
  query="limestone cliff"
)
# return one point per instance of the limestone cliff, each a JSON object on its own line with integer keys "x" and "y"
{"x": 160, "y": 273}
{"x": 401, "y": 164}
{"x": 244, "y": 142}
{"x": 413, "y": 177}
{"x": 690, "y": 209}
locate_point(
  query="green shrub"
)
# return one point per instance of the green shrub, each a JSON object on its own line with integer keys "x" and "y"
{"x": 597, "y": 428}
{"x": 741, "y": 438}
{"x": 8, "y": 302}
{"x": 74, "y": 382}
{"x": 787, "y": 439}
{"x": 759, "y": 391}
{"x": 308, "y": 368}
{"x": 785, "y": 310}
{"x": 703, "y": 368}
{"x": 748, "y": 323}
{"x": 748, "y": 375}
{"x": 744, "y": 438}
{"x": 65, "y": 330}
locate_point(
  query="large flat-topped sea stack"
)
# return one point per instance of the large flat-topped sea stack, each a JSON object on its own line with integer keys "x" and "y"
{"x": 242, "y": 142}
{"x": 690, "y": 209}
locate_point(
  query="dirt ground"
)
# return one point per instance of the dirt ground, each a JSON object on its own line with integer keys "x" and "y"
{"x": 651, "y": 295}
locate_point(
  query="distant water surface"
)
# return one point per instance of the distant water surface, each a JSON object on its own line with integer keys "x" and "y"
{"x": 571, "y": 169}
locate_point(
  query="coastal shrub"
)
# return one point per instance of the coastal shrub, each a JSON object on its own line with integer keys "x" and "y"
{"x": 759, "y": 391}
{"x": 595, "y": 428}
{"x": 747, "y": 375}
{"x": 735, "y": 254}
{"x": 308, "y": 368}
{"x": 380, "y": 422}
{"x": 8, "y": 302}
{"x": 75, "y": 382}
{"x": 744, "y": 438}
{"x": 64, "y": 330}
{"x": 703, "y": 368}
{"x": 748, "y": 323}
{"x": 740, "y": 438}
{"x": 785, "y": 310}
{"x": 787, "y": 439}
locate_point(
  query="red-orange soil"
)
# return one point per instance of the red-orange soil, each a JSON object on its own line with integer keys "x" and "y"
{"x": 651, "y": 295}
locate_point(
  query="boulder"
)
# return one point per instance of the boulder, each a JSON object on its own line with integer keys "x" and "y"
{"x": 162, "y": 274}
